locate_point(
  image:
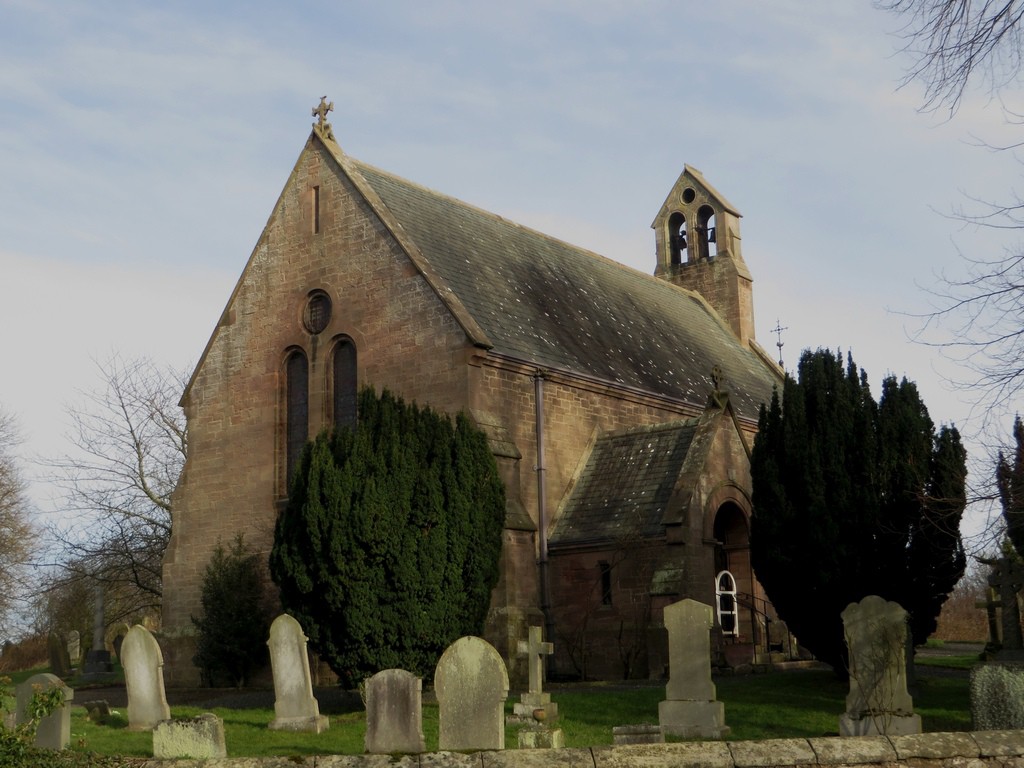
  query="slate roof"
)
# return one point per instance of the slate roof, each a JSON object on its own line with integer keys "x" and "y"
{"x": 555, "y": 305}
{"x": 626, "y": 485}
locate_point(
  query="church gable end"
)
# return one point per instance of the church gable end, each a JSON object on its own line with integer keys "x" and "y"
{"x": 328, "y": 302}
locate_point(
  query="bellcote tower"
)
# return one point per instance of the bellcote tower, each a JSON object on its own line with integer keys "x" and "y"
{"x": 697, "y": 232}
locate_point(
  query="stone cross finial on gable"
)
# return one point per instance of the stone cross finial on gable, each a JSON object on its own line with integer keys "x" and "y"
{"x": 320, "y": 113}
{"x": 535, "y": 649}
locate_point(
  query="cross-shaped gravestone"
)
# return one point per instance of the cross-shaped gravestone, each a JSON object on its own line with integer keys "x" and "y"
{"x": 1007, "y": 577}
{"x": 534, "y": 702}
{"x": 535, "y": 649}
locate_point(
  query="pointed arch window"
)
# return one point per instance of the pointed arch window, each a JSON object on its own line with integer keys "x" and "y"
{"x": 343, "y": 367}
{"x": 725, "y": 592}
{"x": 296, "y": 410}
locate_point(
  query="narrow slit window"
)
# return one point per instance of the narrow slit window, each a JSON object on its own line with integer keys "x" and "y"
{"x": 316, "y": 210}
{"x": 606, "y": 582}
{"x": 296, "y": 411}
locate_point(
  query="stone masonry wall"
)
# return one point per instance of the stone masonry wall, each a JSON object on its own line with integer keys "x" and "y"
{"x": 982, "y": 749}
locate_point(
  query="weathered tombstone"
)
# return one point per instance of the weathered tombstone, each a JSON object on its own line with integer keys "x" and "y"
{"x": 690, "y": 709}
{"x": 878, "y": 703}
{"x": 1006, "y": 578}
{"x": 74, "y": 646}
{"x": 471, "y": 683}
{"x": 144, "y": 680}
{"x": 60, "y": 662}
{"x": 295, "y": 708}
{"x": 197, "y": 738}
{"x": 394, "y": 713}
{"x": 997, "y": 697}
{"x": 54, "y": 730}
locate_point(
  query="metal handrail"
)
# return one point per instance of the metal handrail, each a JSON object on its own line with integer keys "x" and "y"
{"x": 751, "y": 602}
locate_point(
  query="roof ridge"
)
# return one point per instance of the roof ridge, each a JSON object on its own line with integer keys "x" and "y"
{"x": 360, "y": 164}
{"x": 663, "y": 426}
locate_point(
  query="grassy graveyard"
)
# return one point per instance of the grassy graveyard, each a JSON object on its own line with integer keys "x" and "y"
{"x": 791, "y": 704}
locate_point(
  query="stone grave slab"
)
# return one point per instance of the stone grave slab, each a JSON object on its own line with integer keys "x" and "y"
{"x": 295, "y": 707}
{"x": 690, "y": 708}
{"x": 394, "y": 713}
{"x": 143, "y": 663}
{"x": 878, "y": 702}
{"x": 471, "y": 683}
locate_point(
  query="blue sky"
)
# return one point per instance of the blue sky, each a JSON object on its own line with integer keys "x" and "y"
{"x": 142, "y": 148}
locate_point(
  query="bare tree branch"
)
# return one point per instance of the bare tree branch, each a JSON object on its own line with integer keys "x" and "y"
{"x": 957, "y": 41}
{"x": 131, "y": 442}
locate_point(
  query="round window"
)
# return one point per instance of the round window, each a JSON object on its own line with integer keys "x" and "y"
{"x": 689, "y": 195}
{"x": 318, "y": 312}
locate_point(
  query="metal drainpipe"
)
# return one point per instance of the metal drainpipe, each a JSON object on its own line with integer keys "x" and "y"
{"x": 542, "y": 513}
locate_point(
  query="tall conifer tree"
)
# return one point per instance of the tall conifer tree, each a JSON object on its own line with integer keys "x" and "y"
{"x": 388, "y": 549}
{"x": 1010, "y": 479}
{"x": 853, "y": 497}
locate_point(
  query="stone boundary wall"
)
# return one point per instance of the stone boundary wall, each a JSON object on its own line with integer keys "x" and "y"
{"x": 981, "y": 749}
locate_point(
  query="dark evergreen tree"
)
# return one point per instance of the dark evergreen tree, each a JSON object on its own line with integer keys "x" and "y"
{"x": 853, "y": 497}
{"x": 1010, "y": 480}
{"x": 388, "y": 549}
{"x": 232, "y": 633}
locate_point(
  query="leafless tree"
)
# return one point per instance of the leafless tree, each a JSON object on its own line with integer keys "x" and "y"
{"x": 977, "y": 317}
{"x": 16, "y": 531}
{"x": 957, "y": 41}
{"x": 131, "y": 441}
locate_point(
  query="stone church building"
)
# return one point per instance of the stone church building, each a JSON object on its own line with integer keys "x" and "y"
{"x": 620, "y": 406}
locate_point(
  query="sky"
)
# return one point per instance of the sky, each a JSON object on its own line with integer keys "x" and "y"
{"x": 143, "y": 146}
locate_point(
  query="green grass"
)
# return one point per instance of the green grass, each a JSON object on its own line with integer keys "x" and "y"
{"x": 781, "y": 705}
{"x": 949, "y": 662}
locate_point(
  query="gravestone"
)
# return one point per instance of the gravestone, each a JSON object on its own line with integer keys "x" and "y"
{"x": 295, "y": 708}
{"x": 54, "y": 730}
{"x": 74, "y": 646}
{"x": 144, "y": 680}
{"x": 60, "y": 662}
{"x": 997, "y": 697}
{"x": 196, "y": 737}
{"x": 878, "y": 703}
{"x": 535, "y": 650}
{"x": 394, "y": 713}
{"x": 471, "y": 684}
{"x": 1007, "y": 578}
{"x": 690, "y": 709}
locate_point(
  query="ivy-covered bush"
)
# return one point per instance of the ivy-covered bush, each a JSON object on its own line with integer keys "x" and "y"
{"x": 17, "y": 748}
{"x": 388, "y": 549}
